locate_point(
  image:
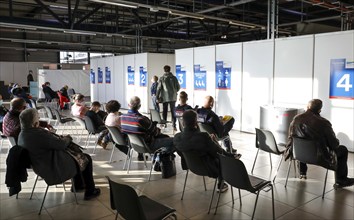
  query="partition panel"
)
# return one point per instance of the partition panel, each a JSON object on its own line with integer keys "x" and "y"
{"x": 7, "y": 72}
{"x": 20, "y": 74}
{"x": 141, "y": 82}
{"x": 129, "y": 78}
{"x": 101, "y": 63}
{"x": 184, "y": 73}
{"x": 118, "y": 79}
{"x": 109, "y": 79}
{"x": 93, "y": 80}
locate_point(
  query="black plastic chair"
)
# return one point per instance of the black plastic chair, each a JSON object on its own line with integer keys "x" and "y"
{"x": 62, "y": 120}
{"x": 197, "y": 166}
{"x": 82, "y": 125}
{"x": 155, "y": 116}
{"x": 234, "y": 172}
{"x": 130, "y": 206}
{"x": 207, "y": 128}
{"x": 309, "y": 152}
{"x": 50, "y": 114}
{"x": 265, "y": 141}
{"x": 91, "y": 131}
{"x": 118, "y": 139}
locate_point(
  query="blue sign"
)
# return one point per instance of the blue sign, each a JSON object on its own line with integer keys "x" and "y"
{"x": 99, "y": 75}
{"x": 181, "y": 76}
{"x": 131, "y": 78}
{"x": 223, "y": 76}
{"x": 143, "y": 75}
{"x": 200, "y": 78}
{"x": 108, "y": 75}
{"x": 341, "y": 79}
{"x": 92, "y": 77}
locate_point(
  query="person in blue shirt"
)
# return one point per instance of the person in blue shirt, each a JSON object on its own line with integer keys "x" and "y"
{"x": 153, "y": 91}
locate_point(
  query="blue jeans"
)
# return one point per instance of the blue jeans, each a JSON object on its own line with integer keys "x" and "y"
{"x": 156, "y": 105}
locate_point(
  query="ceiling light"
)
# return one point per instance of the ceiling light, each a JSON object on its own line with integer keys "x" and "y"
{"x": 115, "y": 3}
{"x": 18, "y": 26}
{"x": 241, "y": 24}
{"x": 184, "y": 14}
{"x": 79, "y": 32}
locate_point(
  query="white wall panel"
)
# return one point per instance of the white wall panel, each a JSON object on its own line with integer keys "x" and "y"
{"x": 101, "y": 63}
{"x": 340, "y": 112}
{"x": 293, "y": 71}
{"x": 257, "y": 81}
{"x": 185, "y": 58}
{"x": 228, "y": 101}
{"x": 205, "y": 57}
{"x": 142, "y": 91}
{"x": 129, "y": 61}
{"x": 20, "y": 74}
{"x": 93, "y": 86}
{"x": 118, "y": 79}
{"x": 7, "y": 72}
{"x": 109, "y": 86}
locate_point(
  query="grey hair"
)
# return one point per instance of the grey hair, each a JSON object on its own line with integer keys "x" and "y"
{"x": 28, "y": 118}
{"x": 135, "y": 103}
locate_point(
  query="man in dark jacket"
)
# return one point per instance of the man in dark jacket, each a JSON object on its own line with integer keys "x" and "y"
{"x": 49, "y": 158}
{"x": 98, "y": 123}
{"x": 48, "y": 92}
{"x": 191, "y": 139}
{"x": 320, "y": 129}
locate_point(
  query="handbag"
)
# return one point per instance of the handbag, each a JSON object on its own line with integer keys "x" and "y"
{"x": 167, "y": 164}
{"x": 75, "y": 152}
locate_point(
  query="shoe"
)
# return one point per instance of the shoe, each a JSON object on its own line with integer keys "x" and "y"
{"x": 77, "y": 189}
{"x": 302, "y": 176}
{"x": 222, "y": 188}
{"x": 96, "y": 192}
{"x": 345, "y": 183}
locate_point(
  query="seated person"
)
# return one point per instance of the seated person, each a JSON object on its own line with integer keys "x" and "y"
{"x": 113, "y": 119}
{"x": 78, "y": 109}
{"x": 3, "y": 111}
{"x": 207, "y": 115}
{"x": 11, "y": 122}
{"x": 182, "y": 106}
{"x": 320, "y": 129}
{"x": 192, "y": 139}
{"x": 48, "y": 92}
{"x": 43, "y": 146}
{"x": 18, "y": 92}
{"x": 98, "y": 124}
{"x": 64, "y": 91}
{"x": 135, "y": 123}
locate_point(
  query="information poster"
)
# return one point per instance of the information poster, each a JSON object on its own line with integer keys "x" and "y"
{"x": 131, "y": 78}
{"x": 143, "y": 75}
{"x": 223, "y": 76}
{"x": 181, "y": 76}
{"x": 200, "y": 78}
{"x": 92, "y": 76}
{"x": 341, "y": 79}
{"x": 99, "y": 75}
{"x": 108, "y": 75}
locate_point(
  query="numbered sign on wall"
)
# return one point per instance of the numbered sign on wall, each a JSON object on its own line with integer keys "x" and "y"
{"x": 131, "y": 78}
{"x": 92, "y": 76}
{"x": 181, "y": 76}
{"x": 342, "y": 79}
{"x": 223, "y": 76}
{"x": 108, "y": 75}
{"x": 99, "y": 75}
{"x": 143, "y": 75}
{"x": 200, "y": 78}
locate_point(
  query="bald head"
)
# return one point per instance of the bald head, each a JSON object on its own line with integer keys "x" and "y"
{"x": 315, "y": 105}
{"x": 18, "y": 104}
{"x": 208, "y": 102}
{"x": 135, "y": 103}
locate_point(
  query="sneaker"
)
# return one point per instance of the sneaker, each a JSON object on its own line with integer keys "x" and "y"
{"x": 302, "y": 176}
{"x": 222, "y": 188}
{"x": 96, "y": 192}
{"x": 345, "y": 183}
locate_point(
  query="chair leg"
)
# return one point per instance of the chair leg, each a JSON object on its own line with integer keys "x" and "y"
{"x": 34, "y": 186}
{"x": 281, "y": 159}
{"x": 232, "y": 195}
{"x": 73, "y": 186}
{"x": 239, "y": 196}
{"x": 145, "y": 161}
{"x": 205, "y": 189}
{"x": 126, "y": 159}
{"x": 130, "y": 160}
{"x": 152, "y": 165}
{"x": 295, "y": 168}
{"x": 212, "y": 195}
{"x": 96, "y": 141}
{"x": 184, "y": 186}
{"x": 217, "y": 202}
{"x": 87, "y": 139}
{"x": 287, "y": 176}
{"x": 254, "y": 163}
{"x": 273, "y": 201}
{"x": 110, "y": 159}
{"x": 45, "y": 194}
{"x": 324, "y": 187}
{"x": 270, "y": 158}
{"x": 116, "y": 216}
{"x": 255, "y": 205}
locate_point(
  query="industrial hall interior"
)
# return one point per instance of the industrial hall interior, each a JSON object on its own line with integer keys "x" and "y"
{"x": 176, "y": 109}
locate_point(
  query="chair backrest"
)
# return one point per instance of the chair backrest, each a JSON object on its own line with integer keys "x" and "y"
{"x": 180, "y": 123}
{"x": 265, "y": 141}
{"x": 12, "y": 141}
{"x": 89, "y": 125}
{"x": 206, "y": 128}
{"x": 116, "y": 135}
{"x": 125, "y": 200}
{"x": 155, "y": 116}
{"x": 33, "y": 103}
{"x": 80, "y": 121}
{"x": 311, "y": 152}
{"x": 57, "y": 115}
{"x": 196, "y": 164}
{"x": 49, "y": 113}
{"x": 234, "y": 172}
{"x": 138, "y": 144}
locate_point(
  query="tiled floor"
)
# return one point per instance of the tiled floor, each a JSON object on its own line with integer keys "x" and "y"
{"x": 300, "y": 200}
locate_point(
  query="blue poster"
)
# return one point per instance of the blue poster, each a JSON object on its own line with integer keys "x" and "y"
{"x": 99, "y": 75}
{"x": 143, "y": 75}
{"x": 131, "y": 78}
{"x": 341, "y": 79}
{"x": 200, "y": 78}
{"x": 92, "y": 77}
{"x": 181, "y": 76}
{"x": 223, "y": 76}
{"x": 108, "y": 75}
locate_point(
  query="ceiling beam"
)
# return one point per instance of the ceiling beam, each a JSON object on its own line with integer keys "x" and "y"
{"x": 39, "y": 2}
{"x": 88, "y": 14}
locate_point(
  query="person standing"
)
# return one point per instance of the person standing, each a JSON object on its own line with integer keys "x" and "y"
{"x": 153, "y": 90}
{"x": 167, "y": 89}
{"x": 29, "y": 77}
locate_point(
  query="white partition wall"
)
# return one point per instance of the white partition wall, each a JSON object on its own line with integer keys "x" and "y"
{"x": 101, "y": 64}
{"x": 257, "y": 81}
{"x": 7, "y": 72}
{"x": 142, "y": 80}
{"x": 109, "y": 78}
{"x": 229, "y": 81}
{"x": 204, "y": 73}
{"x": 184, "y": 72}
{"x": 118, "y": 79}
{"x": 336, "y": 49}
{"x": 293, "y": 71}
{"x": 93, "y": 80}
{"x": 129, "y": 79}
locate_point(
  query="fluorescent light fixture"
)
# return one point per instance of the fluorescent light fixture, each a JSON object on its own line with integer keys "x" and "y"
{"x": 241, "y": 24}
{"x": 115, "y": 3}
{"x": 24, "y": 41}
{"x": 18, "y": 26}
{"x": 79, "y": 32}
{"x": 58, "y": 6}
{"x": 189, "y": 15}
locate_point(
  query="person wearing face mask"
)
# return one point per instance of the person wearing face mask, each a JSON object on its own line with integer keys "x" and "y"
{"x": 48, "y": 92}
{"x": 79, "y": 109}
{"x": 3, "y": 111}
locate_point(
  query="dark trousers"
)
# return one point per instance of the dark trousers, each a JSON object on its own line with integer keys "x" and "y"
{"x": 173, "y": 111}
{"x": 342, "y": 167}
{"x": 227, "y": 128}
{"x": 84, "y": 179}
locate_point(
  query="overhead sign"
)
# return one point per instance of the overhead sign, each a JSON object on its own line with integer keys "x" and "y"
{"x": 99, "y": 75}
{"x": 341, "y": 79}
{"x": 92, "y": 76}
{"x": 223, "y": 76}
{"x": 131, "y": 78}
{"x": 200, "y": 78}
{"x": 143, "y": 75}
{"x": 108, "y": 75}
{"x": 181, "y": 76}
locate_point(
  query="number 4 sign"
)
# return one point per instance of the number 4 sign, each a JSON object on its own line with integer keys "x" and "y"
{"x": 342, "y": 79}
